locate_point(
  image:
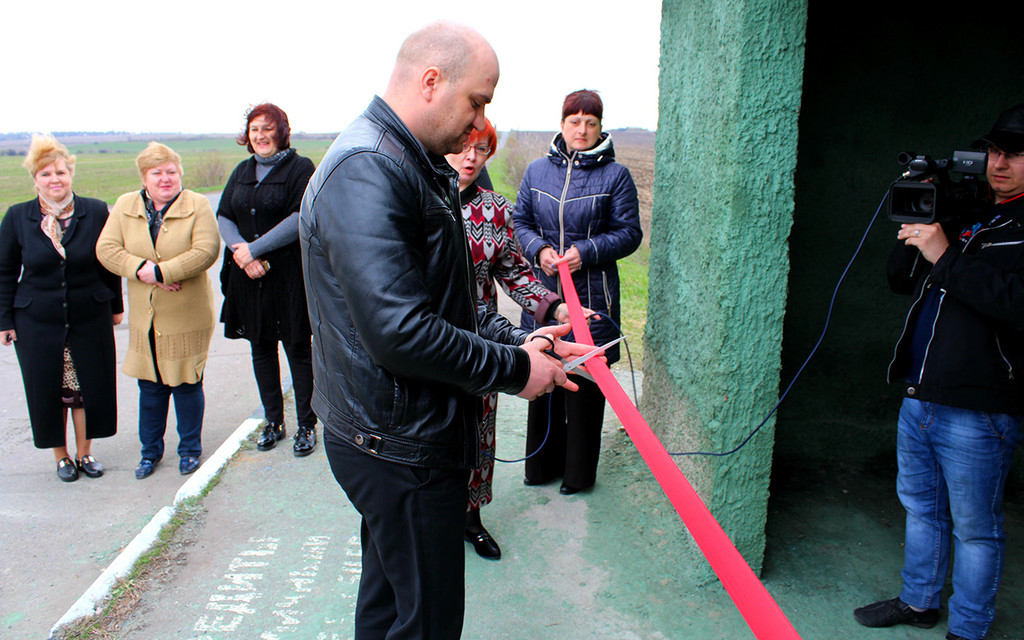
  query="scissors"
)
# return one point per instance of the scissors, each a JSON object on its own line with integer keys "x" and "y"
{"x": 571, "y": 365}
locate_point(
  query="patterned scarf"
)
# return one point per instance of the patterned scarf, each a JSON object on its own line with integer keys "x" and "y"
{"x": 53, "y": 213}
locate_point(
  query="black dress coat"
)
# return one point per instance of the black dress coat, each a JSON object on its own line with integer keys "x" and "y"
{"x": 272, "y": 307}
{"x": 51, "y": 301}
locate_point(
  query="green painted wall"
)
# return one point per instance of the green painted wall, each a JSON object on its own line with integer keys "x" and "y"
{"x": 877, "y": 81}
{"x": 723, "y": 198}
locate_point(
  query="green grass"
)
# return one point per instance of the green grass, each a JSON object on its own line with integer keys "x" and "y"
{"x": 633, "y": 298}
{"x": 499, "y": 177}
{"x": 105, "y": 170}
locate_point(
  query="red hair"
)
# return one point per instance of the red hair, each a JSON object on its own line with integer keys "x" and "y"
{"x": 583, "y": 101}
{"x": 276, "y": 116}
{"x": 488, "y": 135}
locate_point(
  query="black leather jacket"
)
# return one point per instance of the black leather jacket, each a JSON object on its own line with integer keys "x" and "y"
{"x": 401, "y": 350}
{"x": 975, "y": 352}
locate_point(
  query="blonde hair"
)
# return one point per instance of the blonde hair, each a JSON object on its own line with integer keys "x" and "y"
{"x": 154, "y": 155}
{"x": 45, "y": 150}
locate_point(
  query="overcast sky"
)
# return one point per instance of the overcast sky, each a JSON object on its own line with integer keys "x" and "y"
{"x": 196, "y": 65}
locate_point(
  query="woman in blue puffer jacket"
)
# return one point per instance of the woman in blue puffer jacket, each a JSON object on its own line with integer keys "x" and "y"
{"x": 577, "y": 203}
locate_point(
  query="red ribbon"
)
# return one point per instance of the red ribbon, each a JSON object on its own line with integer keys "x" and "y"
{"x": 761, "y": 612}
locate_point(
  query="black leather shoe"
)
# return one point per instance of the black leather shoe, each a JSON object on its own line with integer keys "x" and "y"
{"x": 187, "y": 465}
{"x": 887, "y": 613}
{"x": 90, "y": 466}
{"x": 534, "y": 483}
{"x": 271, "y": 434}
{"x": 568, "y": 490}
{"x": 146, "y": 468}
{"x": 484, "y": 544}
{"x": 305, "y": 441}
{"x": 952, "y": 636}
{"x": 66, "y": 470}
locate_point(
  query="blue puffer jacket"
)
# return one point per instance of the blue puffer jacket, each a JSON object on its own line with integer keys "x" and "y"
{"x": 587, "y": 200}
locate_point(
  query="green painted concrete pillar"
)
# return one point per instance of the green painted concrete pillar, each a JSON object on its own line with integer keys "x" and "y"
{"x": 730, "y": 88}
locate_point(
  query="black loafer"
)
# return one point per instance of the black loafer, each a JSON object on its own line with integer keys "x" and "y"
{"x": 271, "y": 434}
{"x": 146, "y": 468}
{"x": 90, "y": 466}
{"x": 568, "y": 490}
{"x": 66, "y": 470}
{"x": 483, "y": 543}
{"x": 887, "y": 613}
{"x": 187, "y": 465}
{"x": 305, "y": 441}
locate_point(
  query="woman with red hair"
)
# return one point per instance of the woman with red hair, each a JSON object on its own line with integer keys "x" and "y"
{"x": 496, "y": 258}
{"x": 264, "y": 297}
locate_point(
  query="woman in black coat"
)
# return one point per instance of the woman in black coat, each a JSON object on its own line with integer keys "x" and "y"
{"x": 58, "y": 306}
{"x": 264, "y": 296}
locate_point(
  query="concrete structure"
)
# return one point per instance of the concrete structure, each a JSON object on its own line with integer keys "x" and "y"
{"x": 756, "y": 218}
{"x": 723, "y": 201}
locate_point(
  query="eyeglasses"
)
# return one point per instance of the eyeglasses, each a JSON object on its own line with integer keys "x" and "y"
{"x": 996, "y": 152}
{"x": 481, "y": 149}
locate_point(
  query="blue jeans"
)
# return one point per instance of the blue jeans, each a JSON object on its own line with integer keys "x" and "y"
{"x": 189, "y": 404}
{"x": 952, "y": 471}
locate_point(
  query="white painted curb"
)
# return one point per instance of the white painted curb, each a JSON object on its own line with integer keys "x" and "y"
{"x": 90, "y": 601}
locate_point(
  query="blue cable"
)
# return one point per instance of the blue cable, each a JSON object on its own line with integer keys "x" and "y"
{"x": 828, "y": 319}
{"x": 547, "y": 433}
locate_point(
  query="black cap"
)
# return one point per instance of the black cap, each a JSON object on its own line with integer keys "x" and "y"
{"x": 1008, "y": 131}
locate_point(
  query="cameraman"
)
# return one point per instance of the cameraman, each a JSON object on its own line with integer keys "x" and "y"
{"x": 961, "y": 356}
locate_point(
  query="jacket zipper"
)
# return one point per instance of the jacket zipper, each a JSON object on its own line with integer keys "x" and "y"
{"x": 906, "y": 325}
{"x": 986, "y": 245}
{"x": 928, "y": 347}
{"x": 561, "y": 208}
{"x": 999, "y": 348}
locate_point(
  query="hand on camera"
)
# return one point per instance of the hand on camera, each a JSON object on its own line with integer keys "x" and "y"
{"x": 930, "y": 239}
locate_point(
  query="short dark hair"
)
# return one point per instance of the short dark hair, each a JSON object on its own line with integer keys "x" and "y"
{"x": 583, "y": 101}
{"x": 277, "y": 116}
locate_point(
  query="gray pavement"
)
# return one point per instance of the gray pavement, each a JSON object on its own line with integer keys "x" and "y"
{"x": 56, "y": 537}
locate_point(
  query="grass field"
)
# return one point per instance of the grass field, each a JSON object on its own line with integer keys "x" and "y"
{"x": 105, "y": 170}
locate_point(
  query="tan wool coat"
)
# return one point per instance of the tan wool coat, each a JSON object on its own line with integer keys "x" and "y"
{"x": 187, "y": 245}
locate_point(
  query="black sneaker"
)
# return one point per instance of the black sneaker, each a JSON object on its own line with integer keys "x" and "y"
{"x": 305, "y": 441}
{"x": 271, "y": 434}
{"x": 887, "y": 613}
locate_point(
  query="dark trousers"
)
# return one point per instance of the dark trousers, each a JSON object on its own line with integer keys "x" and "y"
{"x": 267, "y": 368}
{"x": 189, "y": 406}
{"x": 413, "y": 575}
{"x": 569, "y": 426}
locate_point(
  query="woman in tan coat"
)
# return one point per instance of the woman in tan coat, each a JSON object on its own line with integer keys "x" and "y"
{"x": 163, "y": 239}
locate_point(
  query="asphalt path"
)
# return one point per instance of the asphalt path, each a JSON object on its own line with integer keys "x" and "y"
{"x": 57, "y": 537}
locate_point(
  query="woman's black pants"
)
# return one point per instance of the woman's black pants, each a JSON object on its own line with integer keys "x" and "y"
{"x": 267, "y": 367}
{"x": 572, "y": 442}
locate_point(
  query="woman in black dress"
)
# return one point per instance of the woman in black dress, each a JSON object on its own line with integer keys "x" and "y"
{"x": 58, "y": 306}
{"x": 264, "y": 297}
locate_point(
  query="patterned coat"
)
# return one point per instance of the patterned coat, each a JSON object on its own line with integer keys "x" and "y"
{"x": 497, "y": 260}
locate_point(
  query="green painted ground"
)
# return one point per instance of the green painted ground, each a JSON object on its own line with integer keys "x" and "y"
{"x": 276, "y": 555}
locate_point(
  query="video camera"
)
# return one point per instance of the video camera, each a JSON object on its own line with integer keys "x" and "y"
{"x": 927, "y": 193}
